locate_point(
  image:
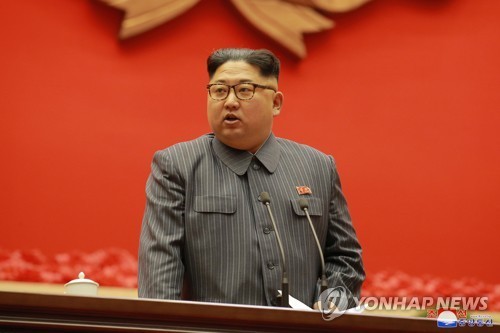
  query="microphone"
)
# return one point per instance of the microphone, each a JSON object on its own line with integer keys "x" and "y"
{"x": 304, "y": 205}
{"x": 265, "y": 198}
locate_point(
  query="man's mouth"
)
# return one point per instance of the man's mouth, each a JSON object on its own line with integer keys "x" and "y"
{"x": 231, "y": 118}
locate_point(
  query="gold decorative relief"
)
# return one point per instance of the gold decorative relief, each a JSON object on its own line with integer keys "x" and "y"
{"x": 285, "y": 21}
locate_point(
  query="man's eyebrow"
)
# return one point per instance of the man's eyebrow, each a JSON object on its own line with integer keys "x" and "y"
{"x": 240, "y": 81}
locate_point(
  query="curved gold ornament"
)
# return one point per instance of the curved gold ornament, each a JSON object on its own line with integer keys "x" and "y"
{"x": 285, "y": 21}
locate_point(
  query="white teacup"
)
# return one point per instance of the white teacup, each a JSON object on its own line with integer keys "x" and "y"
{"x": 81, "y": 286}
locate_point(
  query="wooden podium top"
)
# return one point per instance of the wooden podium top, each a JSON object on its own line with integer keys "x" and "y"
{"x": 29, "y": 312}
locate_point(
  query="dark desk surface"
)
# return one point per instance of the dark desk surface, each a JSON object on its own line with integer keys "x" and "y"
{"x": 28, "y": 312}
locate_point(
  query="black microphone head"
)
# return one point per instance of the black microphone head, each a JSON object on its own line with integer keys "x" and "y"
{"x": 303, "y": 203}
{"x": 265, "y": 198}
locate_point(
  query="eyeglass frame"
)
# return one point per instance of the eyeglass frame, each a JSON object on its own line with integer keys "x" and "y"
{"x": 255, "y": 85}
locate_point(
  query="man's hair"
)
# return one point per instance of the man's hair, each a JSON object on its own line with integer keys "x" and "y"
{"x": 265, "y": 60}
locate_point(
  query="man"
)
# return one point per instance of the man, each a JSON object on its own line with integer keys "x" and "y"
{"x": 205, "y": 228}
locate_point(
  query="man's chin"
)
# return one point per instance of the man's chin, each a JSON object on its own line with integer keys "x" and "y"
{"x": 233, "y": 140}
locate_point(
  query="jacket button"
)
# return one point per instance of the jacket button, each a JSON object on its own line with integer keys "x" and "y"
{"x": 267, "y": 230}
{"x": 270, "y": 265}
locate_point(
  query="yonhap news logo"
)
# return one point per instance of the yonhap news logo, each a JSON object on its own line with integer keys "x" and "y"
{"x": 450, "y": 311}
{"x": 333, "y": 303}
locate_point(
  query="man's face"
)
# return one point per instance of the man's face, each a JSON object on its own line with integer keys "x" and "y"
{"x": 243, "y": 124}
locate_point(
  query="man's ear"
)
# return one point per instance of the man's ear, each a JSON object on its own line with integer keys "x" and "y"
{"x": 277, "y": 103}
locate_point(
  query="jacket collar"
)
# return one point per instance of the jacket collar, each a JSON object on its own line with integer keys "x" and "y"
{"x": 239, "y": 160}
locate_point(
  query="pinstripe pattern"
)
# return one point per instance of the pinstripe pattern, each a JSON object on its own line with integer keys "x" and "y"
{"x": 203, "y": 220}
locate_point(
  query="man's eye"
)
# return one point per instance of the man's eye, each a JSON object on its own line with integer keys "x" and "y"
{"x": 245, "y": 89}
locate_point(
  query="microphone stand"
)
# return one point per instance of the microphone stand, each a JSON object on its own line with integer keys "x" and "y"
{"x": 266, "y": 199}
{"x": 304, "y": 205}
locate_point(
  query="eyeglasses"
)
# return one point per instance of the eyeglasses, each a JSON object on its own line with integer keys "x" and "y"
{"x": 243, "y": 91}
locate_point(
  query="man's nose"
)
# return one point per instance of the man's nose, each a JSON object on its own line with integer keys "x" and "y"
{"x": 232, "y": 101}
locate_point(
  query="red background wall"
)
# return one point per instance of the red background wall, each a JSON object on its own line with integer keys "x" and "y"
{"x": 404, "y": 93}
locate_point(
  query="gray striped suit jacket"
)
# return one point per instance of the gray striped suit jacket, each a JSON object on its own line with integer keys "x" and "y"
{"x": 204, "y": 225}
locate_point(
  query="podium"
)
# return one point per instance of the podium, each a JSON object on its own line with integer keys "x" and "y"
{"x": 30, "y": 312}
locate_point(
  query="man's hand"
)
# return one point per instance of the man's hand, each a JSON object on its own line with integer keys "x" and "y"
{"x": 318, "y": 306}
